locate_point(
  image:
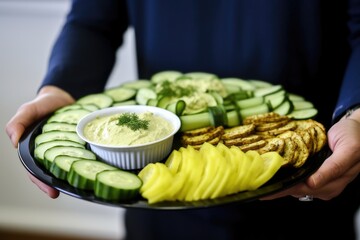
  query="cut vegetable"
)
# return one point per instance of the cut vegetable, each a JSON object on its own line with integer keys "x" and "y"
{"x": 243, "y": 84}
{"x": 218, "y": 116}
{"x": 117, "y": 185}
{"x": 272, "y": 163}
{"x": 99, "y": 99}
{"x": 41, "y": 148}
{"x": 144, "y": 94}
{"x": 82, "y": 173}
{"x": 259, "y": 83}
{"x": 177, "y": 107}
{"x": 163, "y": 76}
{"x": 57, "y": 135}
{"x": 120, "y": 94}
{"x": 304, "y": 113}
{"x": 68, "y": 107}
{"x": 276, "y": 100}
{"x": 53, "y": 152}
{"x": 140, "y": 83}
{"x": 258, "y": 109}
{"x": 300, "y": 105}
{"x": 71, "y": 116}
{"x": 250, "y": 102}
{"x": 158, "y": 191}
{"x": 200, "y": 75}
{"x": 54, "y": 126}
{"x": 266, "y": 91}
{"x": 193, "y": 121}
{"x": 60, "y": 167}
{"x": 125, "y": 103}
{"x": 284, "y": 108}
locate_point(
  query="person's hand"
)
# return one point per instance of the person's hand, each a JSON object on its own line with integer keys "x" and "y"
{"x": 339, "y": 169}
{"x": 47, "y": 101}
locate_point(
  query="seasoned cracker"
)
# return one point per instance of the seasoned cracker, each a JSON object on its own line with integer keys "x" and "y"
{"x": 238, "y": 131}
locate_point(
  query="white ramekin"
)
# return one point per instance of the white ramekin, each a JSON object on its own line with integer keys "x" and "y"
{"x": 136, "y": 156}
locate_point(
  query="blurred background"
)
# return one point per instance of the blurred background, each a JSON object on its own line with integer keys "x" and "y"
{"x": 27, "y": 31}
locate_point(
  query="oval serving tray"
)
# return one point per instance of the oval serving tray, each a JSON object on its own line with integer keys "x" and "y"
{"x": 283, "y": 179}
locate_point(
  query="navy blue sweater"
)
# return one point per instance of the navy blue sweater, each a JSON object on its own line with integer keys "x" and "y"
{"x": 311, "y": 47}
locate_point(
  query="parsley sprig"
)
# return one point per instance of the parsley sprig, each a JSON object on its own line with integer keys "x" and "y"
{"x": 132, "y": 121}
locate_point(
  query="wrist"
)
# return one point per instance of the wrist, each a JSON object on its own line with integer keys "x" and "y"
{"x": 53, "y": 90}
{"x": 353, "y": 113}
{"x": 50, "y": 98}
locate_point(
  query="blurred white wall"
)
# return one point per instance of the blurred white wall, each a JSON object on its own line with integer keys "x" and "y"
{"x": 27, "y": 31}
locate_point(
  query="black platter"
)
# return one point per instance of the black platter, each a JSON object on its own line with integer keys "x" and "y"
{"x": 284, "y": 178}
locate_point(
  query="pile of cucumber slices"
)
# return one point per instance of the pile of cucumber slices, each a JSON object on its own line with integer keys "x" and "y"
{"x": 224, "y": 101}
{"x": 200, "y": 99}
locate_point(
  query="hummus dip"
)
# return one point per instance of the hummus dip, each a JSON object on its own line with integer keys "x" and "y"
{"x": 105, "y": 130}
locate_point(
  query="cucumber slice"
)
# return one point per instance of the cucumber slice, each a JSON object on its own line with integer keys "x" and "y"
{"x": 117, "y": 185}
{"x": 200, "y": 75}
{"x": 125, "y": 103}
{"x": 73, "y": 106}
{"x": 259, "y": 83}
{"x": 57, "y": 135}
{"x": 76, "y": 106}
{"x": 41, "y": 148}
{"x": 99, "y": 99}
{"x": 54, "y": 126}
{"x": 120, "y": 94}
{"x": 91, "y": 107}
{"x": 53, "y": 152}
{"x": 164, "y": 101}
{"x": 304, "y": 113}
{"x": 163, "y": 76}
{"x": 275, "y": 95}
{"x": 70, "y": 116}
{"x": 243, "y": 84}
{"x": 233, "y": 118}
{"x": 144, "y": 94}
{"x": 237, "y": 96}
{"x": 229, "y": 107}
{"x": 294, "y": 97}
{"x": 285, "y": 108}
{"x": 276, "y": 99}
{"x": 218, "y": 116}
{"x": 60, "y": 167}
{"x": 230, "y": 88}
{"x": 250, "y": 102}
{"x": 262, "y": 108}
{"x": 82, "y": 173}
{"x": 266, "y": 91}
{"x": 299, "y": 105}
{"x": 152, "y": 102}
{"x": 219, "y": 99}
{"x": 194, "y": 121}
{"x": 140, "y": 83}
{"x": 177, "y": 107}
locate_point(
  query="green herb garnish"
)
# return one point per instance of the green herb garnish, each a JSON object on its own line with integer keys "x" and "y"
{"x": 132, "y": 121}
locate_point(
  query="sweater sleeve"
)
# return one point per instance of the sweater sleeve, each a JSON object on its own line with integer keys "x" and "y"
{"x": 350, "y": 90}
{"x": 84, "y": 53}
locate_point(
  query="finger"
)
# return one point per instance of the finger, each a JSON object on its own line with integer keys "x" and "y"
{"x": 327, "y": 192}
{"x": 298, "y": 189}
{"x": 333, "y": 167}
{"x": 51, "y": 192}
{"x": 23, "y": 118}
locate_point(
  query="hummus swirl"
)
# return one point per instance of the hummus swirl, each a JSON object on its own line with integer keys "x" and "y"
{"x": 105, "y": 130}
